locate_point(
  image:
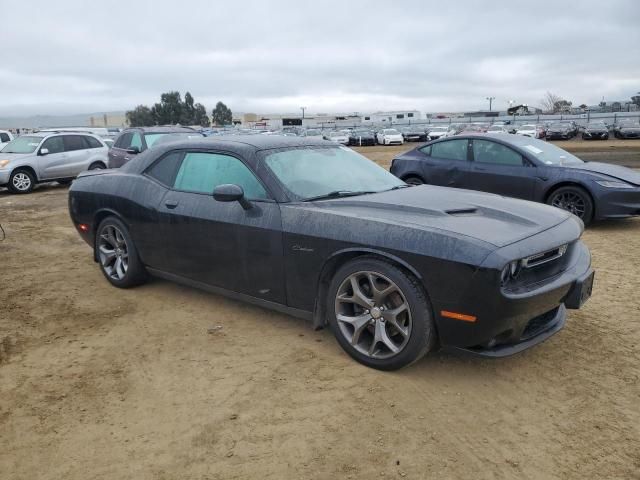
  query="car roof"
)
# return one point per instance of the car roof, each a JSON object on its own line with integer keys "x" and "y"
{"x": 161, "y": 129}
{"x": 243, "y": 145}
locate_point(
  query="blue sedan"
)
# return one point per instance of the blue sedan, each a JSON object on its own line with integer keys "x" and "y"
{"x": 523, "y": 167}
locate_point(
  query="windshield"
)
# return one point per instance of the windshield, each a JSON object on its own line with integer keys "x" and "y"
{"x": 314, "y": 171}
{"x": 22, "y": 145}
{"x": 313, "y": 133}
{"x": 558, "y": 125}
{"x": 596, "y": 125}
{"x": 495, "y": 129}
{"x": 546, "y": 152}
{"x": 439, "y": 129}
{"x": 391, "y": 131}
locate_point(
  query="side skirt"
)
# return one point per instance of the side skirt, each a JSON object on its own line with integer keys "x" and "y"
{"x": 278, "y": 307}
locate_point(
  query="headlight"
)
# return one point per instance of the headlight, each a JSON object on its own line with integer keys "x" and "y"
{"x": 510, "y": 271}
{"x": 604, "y": 183}
{"x": 4, "y": 163}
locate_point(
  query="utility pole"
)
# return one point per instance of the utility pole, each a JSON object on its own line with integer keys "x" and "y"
{"x": 303, "y": 109}
{"x": 491, "y": 99}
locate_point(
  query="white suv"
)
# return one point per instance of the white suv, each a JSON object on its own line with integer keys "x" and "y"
{"x": 5, "y": 137}
{"x": 49, "y": 156}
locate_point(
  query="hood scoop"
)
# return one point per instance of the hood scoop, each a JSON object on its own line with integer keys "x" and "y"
{"x": 461, "y": 211}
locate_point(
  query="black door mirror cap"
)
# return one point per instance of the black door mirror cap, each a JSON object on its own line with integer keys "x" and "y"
{"x": 231, "y": 193}
{"x": 135, "y": 150}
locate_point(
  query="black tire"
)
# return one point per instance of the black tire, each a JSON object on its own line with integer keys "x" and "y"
{"x": 420, "y": 335}
{"x": 21, "y": 181}
{"x": 135, "y": 272}
{"x": 97, "y": 166}
{"x": 414, "y": 180}
{"x": 583, "y": 204}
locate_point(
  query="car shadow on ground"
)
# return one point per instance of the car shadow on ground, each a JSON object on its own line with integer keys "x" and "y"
{"x": 613, "y": 225}
{"x": 40, "y": 188}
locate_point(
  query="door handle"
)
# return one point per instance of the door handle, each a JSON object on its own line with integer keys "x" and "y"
{"x": 171, "y": 204}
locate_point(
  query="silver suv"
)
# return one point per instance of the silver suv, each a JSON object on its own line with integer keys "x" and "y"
{"x": 49, "y": 156}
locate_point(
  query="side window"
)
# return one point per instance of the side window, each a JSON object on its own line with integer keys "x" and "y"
{"x": 74, "y": 142}
{"x": 124, "y": 140}
{"x": 136, "y": 140}
{"x": 451, "y": 149}
{"x": 202, "y": 172}
{"x": 4, "y": 137}
{"x": 426, "y": 150}
{"x": 93, "y": 142}
{"x": 485, "y": 151}
{"x": 54, "y": 144}
{"x": 165, "y": 169}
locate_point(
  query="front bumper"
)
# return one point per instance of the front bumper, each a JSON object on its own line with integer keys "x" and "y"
{"x": 510, "y": 321}
{"x": 595, "y": 135}
{"x": 4, "y": 177}
{"x": 617, "y": 203}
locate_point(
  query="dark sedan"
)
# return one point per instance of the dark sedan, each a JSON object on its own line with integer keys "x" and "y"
{"x": 628, "y": 130}
{"x": 414, "y": 134}
{"x": 525, "y": 168}
{"x": 135, "y": 140}
{"x": 595, "y": 131}
{"x": 559, "y": 131}
{"x": 362, "y": 137}
{"x": 394, "y": 271}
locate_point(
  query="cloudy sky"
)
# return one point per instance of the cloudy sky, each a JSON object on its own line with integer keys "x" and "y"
{"x": 343, "y": 56}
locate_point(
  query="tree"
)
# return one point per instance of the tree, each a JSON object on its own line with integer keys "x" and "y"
{"x": 188, "y": 110}
{"x": 562, "y": 106}
{"x": 141, "y": 116}
{"x": 169, "y": 110}
{"x": 221, "y": 115}
{"x": 583, "y": 106}
{"x": 200, "y": 116}
{"x": 636, "y": 99}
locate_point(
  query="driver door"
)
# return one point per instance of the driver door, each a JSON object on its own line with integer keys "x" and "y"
{"x": 499, "y": 169}
{"x": 220, "y": 243}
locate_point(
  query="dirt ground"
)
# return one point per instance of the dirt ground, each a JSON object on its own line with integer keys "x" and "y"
{"x": 167, "y": 382}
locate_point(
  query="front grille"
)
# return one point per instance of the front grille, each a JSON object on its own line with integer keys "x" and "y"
{"x": 539, "y": 324}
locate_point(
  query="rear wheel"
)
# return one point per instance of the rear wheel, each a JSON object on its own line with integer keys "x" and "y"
{"x": 21, "y": 181}
{"x": 414, "y": 180}
{"x": 379, "y": 314}
{"x": 117, "y": 255}
{"x": 575, "y": 200}
{"x": 97, "y": 166}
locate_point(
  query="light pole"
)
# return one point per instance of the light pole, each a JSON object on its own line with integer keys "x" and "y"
{"x": 303, "y": 109}
{"x": 491, "y": 99}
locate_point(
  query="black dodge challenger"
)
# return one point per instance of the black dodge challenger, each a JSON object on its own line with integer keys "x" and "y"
{"x": 523, "y": 167}
{"x": 394, "y": 270}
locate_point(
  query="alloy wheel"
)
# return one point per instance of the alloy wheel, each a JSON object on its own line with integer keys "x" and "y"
{"x": 571, "y": 202}
{"x": 113, "y": 252}
{"x": 21, "y": 181}
{"x": 373, "y": 314}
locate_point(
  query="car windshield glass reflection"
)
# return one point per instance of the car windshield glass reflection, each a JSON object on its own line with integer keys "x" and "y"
{"x": 313, "y": 172}
{"x": 548, "y": 153}
{"x": 22, "y": 145}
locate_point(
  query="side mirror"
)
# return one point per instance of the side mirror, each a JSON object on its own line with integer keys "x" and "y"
{"x": 133, "y": 149}
{"x": 44, "y": 151}
{"x": 231, "y": 193}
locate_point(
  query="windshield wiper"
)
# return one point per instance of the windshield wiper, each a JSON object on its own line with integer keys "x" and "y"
{"x": 337, "y": 194}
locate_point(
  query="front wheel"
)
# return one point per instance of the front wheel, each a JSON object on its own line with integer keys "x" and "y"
{"x": 21, "y": 181}
{"x": 380, "y": 314}
{"x": 575, "y": 200}
{"x": 97, "y": 166}
{"x": 117, "y": 254}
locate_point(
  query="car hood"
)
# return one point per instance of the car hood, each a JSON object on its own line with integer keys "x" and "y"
{"x": 14, "y": 156}
{"x": 490, "y": 218}
{"x": 617, "y": 171}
